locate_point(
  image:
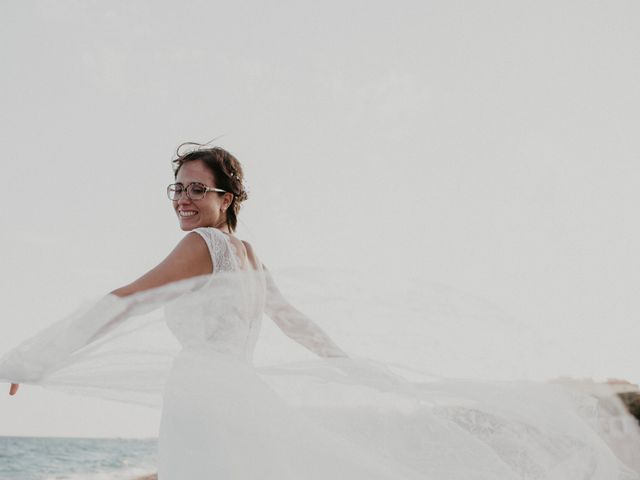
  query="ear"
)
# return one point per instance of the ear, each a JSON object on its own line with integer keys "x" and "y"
{"x": 228, "y": 198}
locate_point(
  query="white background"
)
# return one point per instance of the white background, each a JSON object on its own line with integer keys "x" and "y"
{"x": 489, "y": 145}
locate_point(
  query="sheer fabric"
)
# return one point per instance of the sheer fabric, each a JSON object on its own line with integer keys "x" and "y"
{"x": 192, "y": 348}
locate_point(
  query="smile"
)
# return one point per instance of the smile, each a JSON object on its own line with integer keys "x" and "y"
{"x": 187, "y": 214}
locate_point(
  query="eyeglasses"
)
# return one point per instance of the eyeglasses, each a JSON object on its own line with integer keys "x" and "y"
{"x": 195, "y": 190}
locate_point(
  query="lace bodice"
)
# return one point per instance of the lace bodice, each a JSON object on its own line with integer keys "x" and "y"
{"x": 223, "y": 252}
{"x": 229, "y": 321}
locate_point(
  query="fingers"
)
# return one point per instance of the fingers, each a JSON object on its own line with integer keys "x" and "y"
{"x": 14, "y": 388}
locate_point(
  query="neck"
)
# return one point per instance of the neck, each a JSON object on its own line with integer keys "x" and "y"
{"x": 223, "y": 227}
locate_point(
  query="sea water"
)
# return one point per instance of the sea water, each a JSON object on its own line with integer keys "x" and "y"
{"x": 57, "y": 458}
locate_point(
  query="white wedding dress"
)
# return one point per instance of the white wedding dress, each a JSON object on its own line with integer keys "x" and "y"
{"x": 224, "y": 417}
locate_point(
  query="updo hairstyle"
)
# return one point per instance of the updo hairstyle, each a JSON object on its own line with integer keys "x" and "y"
{"x": 226, "y": 170}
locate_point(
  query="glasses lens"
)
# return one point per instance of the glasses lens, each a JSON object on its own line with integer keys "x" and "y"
{"x": 196, "y": 191}
{"x": 174, "y": 191}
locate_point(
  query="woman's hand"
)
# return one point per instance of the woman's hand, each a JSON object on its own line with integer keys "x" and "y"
{"x": 14, "y": 388}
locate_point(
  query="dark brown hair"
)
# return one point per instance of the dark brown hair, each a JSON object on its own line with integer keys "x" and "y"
{"x": 227, "y": 173}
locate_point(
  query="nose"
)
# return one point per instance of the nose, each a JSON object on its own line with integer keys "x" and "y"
{"x": 183, "y": 199}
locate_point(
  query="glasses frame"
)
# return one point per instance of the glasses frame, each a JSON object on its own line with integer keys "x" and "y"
{"x": 185, "y": 189}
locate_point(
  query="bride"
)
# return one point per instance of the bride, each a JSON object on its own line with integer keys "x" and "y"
{"x": 335, "y": 417}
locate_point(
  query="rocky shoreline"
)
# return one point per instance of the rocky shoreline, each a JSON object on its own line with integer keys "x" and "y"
{"x": 631, "y": 400}
{"x": 627, "y": 392}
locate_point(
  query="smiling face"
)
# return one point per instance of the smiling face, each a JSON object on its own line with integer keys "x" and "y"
{"x": 206, "y": 212}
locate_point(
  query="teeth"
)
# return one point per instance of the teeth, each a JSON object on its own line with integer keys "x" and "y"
{"x": 187, "y": 214}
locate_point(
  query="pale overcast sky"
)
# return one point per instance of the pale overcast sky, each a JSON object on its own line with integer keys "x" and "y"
{"x": 490, "y": 146}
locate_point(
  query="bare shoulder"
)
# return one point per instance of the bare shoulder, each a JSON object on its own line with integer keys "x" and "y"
{"x": 191, "y": 255}
{"x": 248, "y": 246}
{"x": 251, "y": 255}
{"x": 189, "y": 258}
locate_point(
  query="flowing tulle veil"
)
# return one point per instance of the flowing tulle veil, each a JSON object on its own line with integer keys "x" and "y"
{"x": 432, "y": 373}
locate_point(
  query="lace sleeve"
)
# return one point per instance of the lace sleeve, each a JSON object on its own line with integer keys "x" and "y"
{"x": 57, "y": 345}
{"x": 41, "y": 354}
{"x": 295, "y": 324}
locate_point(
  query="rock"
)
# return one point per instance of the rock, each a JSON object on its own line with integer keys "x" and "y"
{"x": 631, "y": 400}
{"x": 627, "y": 392}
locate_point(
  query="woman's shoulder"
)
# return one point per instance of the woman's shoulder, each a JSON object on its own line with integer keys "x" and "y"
{"x": 207, "y": 230}
{"x": 237, "y": 243}
{"x": 211, "y": 235}
{"x": 213, "y": 231}
{"x": 252, "y": 256}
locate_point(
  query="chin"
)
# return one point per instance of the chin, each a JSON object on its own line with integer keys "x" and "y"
{"x": 186, "y": 227}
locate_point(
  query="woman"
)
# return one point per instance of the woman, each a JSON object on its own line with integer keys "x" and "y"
{"x": 223, "y": 417}
{"x": 208, "y": 193}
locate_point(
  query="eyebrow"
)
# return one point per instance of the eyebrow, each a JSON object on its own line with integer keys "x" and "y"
{"x": 193, "y": 181}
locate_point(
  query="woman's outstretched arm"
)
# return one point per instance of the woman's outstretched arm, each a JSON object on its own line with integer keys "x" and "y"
{"x": 295, "y": 324}
{"x": 189, "y": 258}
